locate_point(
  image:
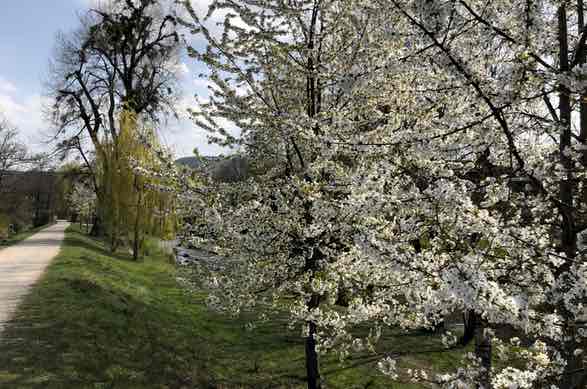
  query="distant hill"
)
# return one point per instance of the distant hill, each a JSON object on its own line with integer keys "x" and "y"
{"x": 196, "y": 162}
{"x": 227, "y": 169}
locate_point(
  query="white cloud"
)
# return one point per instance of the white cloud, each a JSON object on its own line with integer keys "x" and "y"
{"x": 182, "y": 137}
{"x": 182, "y": 69}
{"x": 9, "y": 107}
{"x": 202, "y": 83}
{"x": 6, "y": 86}
{"x": 25, "y": 113}
{"x": 179, "y": 69}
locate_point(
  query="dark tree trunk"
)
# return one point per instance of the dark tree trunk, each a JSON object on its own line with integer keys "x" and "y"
{"x": 313, "y": 108}
{"x": 136, "y": 233}
{"x": 312, "y": 369}
{"x": 573, "y": 373}
{"x": 581, "y": 59}
{"x": 470, "y": 323}
{"x": 475, "y": 329}
{"x": 97, "y": 227}
{"x": 483, "y": 352}
{"x": 135, "y": 246}
{"x": 99, "y": 220}
{"x": 569, "y": 239}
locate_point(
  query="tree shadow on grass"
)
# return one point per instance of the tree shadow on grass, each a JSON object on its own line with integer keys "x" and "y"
{"x": 89, "y": 323}
{"x": 94, "y": 336}
{"x": 93, "y": 322}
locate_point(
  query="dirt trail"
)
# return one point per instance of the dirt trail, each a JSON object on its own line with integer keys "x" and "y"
{"x": 22, "y": 264}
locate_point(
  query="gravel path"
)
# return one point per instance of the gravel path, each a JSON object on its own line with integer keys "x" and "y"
{"x": 22, "y": 264}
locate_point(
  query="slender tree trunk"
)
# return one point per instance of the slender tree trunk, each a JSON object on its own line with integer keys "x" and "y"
{"x": 483, "y": 352}
{"x": 572, "y": 374}
{"x": 100, "y": 187}
{"x": 469, "y": 323}
{"x": 135, "y": 247}
{"x": 312, "y": 368}
{"x": 136, "y": 240}
{"x": 569, "y": 240}
{"x": 137, "y": 226}
{"x": 475, "y": 329}
{"x": 98, "y": 228}
{"x": 581, "y": 59}
{"x": 312, "y": 100}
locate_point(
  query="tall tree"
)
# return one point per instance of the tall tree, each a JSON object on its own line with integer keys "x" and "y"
{"x": 475, "y": 86}
{"x": 123, "y": 56}
{"x": 401, "y": 130}
{"x": 292, "y": 76}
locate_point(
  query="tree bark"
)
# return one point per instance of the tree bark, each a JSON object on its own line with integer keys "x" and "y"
{"x": 569, "y": 239}
{"x": 312, "y": 369}
{"x": 483, "y": 352}
{"x": 581, "y": 59}
{"x": 470, "y": 323}
{"x": 98, "y": 229}
{"x": 573, "y": 373}
{"x": 137, "y": 226}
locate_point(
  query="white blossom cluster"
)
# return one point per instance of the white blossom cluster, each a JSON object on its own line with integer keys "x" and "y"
{"x": 82, "y": 200}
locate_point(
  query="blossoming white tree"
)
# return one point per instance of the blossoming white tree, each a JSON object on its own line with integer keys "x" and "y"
{"x": 82, "y": 200}
{"x": 284, "y": 75}
{"x": 475, "y": 116}
{"x": 397, "y": 134}
{"x": 479, "y": 85}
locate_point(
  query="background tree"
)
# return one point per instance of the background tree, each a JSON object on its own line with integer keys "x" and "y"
{"x": 123, "y": 55}
{"x": 13, "y": 154}
{"x": 82, "y": 201}
{"x": 137, "y": 206}
{"x": 25, "y": 187}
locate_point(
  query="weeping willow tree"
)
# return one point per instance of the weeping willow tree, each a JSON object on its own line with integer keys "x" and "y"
{"x": 136, "y": 206}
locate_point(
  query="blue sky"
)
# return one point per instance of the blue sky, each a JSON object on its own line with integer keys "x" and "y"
{"x": 27, "y": 31}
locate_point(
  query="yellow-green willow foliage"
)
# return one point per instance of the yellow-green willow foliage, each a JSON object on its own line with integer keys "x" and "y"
{"x": 135, "y": 207}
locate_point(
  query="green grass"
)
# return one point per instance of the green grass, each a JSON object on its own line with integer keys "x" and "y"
{"x": 14, "y": 239}
{"x": 102, "y": 321}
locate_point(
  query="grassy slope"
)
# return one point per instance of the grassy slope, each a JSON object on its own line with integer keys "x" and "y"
{"x": 97, "y": 321}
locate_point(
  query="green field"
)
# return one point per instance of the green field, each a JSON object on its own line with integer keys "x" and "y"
{"x": 102, "y": 321}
